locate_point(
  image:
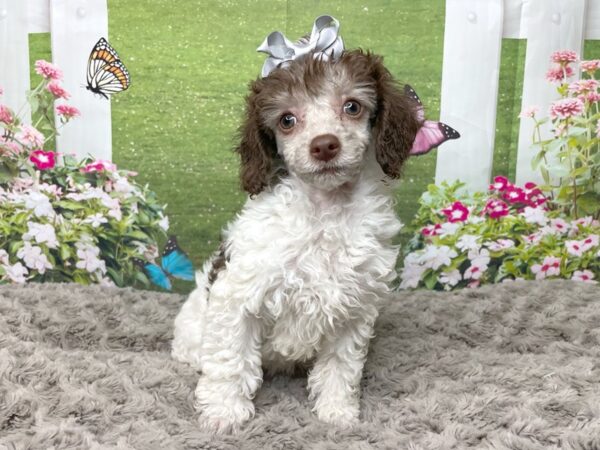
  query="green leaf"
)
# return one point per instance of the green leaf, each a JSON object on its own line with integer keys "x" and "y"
{"x": 589, "y": 202}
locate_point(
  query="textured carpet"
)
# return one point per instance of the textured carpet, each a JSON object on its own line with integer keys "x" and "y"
{"x": 515, "y": 366}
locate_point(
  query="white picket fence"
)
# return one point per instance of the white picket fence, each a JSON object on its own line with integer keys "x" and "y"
{"x": 75, "y": 26}
{"x": 472, "y": 43}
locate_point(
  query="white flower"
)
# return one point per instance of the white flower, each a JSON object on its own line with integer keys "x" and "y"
{"x": 435, "y": 257}
{"x": 474, "y": 272}
{"x": 39, "y": 203}
{"x": 16, "y": 272}
{"x": 164, "y": 223}
{"x": 479, "y": 258}
{"x": 123, "y": 186}
{"x": 96, "y": 220}
{"x": 468, "y": 242}
{"x": 88, "y": 258}
{"x": 411, "y": 275}
{"x": 450, "y": 278}
{"x": 116, "y": 213}
{"x": 535, "y": 215}
{"x": 447, "y": 228}
{"x": 52, "y": 189}
{"x": 500, "y": 244}
{"x": 586, "y": 276}
{"x": 475, "y": 219}
{"x": 41, "y": 233}
{"x": 34, "y": 258}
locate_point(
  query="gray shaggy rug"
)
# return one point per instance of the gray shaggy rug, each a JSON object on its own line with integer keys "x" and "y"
{"x": 513, "y": 366}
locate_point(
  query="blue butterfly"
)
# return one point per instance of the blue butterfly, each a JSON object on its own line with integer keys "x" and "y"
{"x": 174, "y": 263}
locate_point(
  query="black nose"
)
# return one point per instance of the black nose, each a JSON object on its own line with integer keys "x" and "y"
{"x": 325, "y": 147}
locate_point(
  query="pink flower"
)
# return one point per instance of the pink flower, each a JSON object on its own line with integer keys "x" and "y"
{"x": 514, "y": 194}
{"x": 559, "y": 225}
{"x": 67, "y": 111}
{"x": 500, "y": 183}
{"x": 496, "y": 208}
{"x": 474, "y": 272}
{"x": 29, "y": 136}
{"x": 590, "y": 66}
{"x": 500, "y": 244}
{"x": 566, "y": 107}
{"x": 57, "y": 90}
{"x": 583, "y": 86}
{"x": 11, "y": 146}
{"x": 590, "y": 97}
{"x": 574, "y": 248}
{"x": 43, "y": 160}
{"x": 557, "y": 74}
{"x": 590, "y": 242}
{"x": 431, "y": 230}
{"x": 529, "y": 112}
{"x": 584, "y": 275}
{"x": 587, "y": 222}
{"x": 550, "y": 267}
{"x": 564, "y": 57}
{"x": 99, "y": 166}
{"x": 48, "y": 70}
{"x": 456, "y": 213}
{"x": 5, "y": 115}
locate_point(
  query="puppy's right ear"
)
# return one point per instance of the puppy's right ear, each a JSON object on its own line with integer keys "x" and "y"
{"x": 257, "y": 147}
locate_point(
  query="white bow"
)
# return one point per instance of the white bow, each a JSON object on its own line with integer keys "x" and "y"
{"x": 323, "y": 42}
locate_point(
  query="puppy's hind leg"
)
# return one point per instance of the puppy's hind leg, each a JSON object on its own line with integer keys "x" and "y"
{"x": 190, "y": 322}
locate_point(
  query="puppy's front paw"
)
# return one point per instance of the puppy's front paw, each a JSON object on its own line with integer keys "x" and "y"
{"x": 340, "y": 413}
{"x": 223, "y": 420}
{"x": 221, "y": 411}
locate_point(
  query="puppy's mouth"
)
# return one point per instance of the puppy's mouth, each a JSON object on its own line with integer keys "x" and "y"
{"x": 329, "y": 170}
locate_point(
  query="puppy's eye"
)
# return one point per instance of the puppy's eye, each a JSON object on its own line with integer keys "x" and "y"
{"x": 287, "y": 121}
{"x": 352, "y": 108}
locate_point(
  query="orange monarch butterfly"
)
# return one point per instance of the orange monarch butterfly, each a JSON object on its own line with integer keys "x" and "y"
{"x": 106, "y": 74}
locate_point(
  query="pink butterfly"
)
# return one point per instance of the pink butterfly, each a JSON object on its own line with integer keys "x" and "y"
{"x": 431, "y": 134}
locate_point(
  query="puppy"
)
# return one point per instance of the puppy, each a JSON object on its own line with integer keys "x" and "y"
{"x": 303, "y": 269}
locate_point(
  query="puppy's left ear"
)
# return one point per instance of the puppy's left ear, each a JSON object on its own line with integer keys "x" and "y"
{"x": 396, "y": 123}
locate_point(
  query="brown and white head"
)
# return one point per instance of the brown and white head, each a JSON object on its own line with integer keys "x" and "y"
{"x": 322, "y": 117}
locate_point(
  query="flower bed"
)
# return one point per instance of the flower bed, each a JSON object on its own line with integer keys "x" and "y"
{"x": 67, "y": 220}
{"x": 507, "y": 233}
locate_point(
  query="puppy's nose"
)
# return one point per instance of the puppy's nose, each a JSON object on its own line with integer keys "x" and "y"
{"x": 325, "y": 147}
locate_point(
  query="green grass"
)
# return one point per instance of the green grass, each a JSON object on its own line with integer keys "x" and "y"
{"x": 190, "y": 63}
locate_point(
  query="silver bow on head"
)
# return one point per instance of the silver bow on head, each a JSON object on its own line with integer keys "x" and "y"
{"x": 323, "y": 42}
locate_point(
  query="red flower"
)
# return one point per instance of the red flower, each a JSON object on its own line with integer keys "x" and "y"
{"x": 514, "y": 194}
{"x": 43, "y": 160}
{"x": 500, "y": 183}
{"x": 496, "y": 209}
{"x": 456, "y": 213}
{"x": 431, "y": 230}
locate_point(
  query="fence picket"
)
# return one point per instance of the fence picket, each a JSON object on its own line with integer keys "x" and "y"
{"x": 76, "y": 26}
{"x": 470, "y": 90}
{"x": 551, "y": 25}
{"x": 14, "y": 56}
